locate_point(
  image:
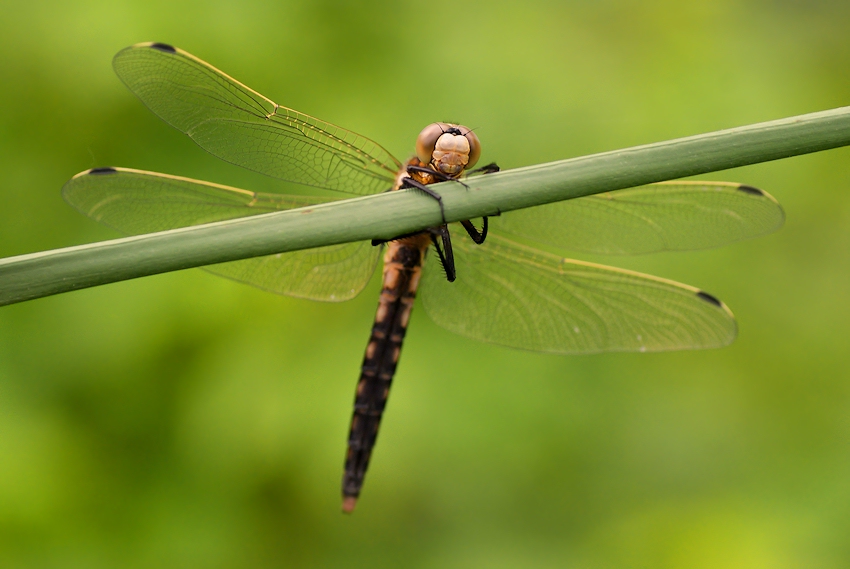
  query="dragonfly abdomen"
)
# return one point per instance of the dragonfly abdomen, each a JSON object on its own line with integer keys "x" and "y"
{"x": 402, "y": 268}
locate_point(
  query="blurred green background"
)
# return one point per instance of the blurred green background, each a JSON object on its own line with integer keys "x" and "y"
{"x": 188, "y": 421}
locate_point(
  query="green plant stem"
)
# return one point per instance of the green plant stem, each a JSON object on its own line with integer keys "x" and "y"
{"x": 26, "y": 277}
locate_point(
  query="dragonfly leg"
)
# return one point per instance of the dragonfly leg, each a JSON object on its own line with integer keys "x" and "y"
{"x": 435, "y": 173}
{"x": 477, "y": 238}
{"x": 490, "y": 168}
{"x": 411, "y": 183}
{"x": 447, "y": 258}
{"x": 428, "y": 171}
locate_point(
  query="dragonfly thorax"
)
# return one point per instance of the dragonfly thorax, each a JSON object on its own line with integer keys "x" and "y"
{"x": 448, "y": 148}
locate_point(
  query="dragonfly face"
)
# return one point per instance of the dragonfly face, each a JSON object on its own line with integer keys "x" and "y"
{"x": 448, "y": 148}
{"x": 508, "y": 292}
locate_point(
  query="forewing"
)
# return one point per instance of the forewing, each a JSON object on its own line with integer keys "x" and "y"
{"x": 670, "y": 216}
{"x": 239, "y": 125}
{"x": 135, "y": 202}
{"x": 515, "y": 296}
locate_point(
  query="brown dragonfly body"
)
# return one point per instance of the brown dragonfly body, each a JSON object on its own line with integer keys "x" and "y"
{"x": 403, "y": 262}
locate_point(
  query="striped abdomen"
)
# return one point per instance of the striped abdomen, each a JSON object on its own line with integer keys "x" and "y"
{"x": 402, "y": 268}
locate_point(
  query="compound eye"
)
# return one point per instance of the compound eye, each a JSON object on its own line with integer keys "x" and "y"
{"x": 427, "y": 140}
{"x": 474, "y": 147}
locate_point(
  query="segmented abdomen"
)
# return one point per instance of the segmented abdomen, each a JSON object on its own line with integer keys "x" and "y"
{"x": 402, "y": 268}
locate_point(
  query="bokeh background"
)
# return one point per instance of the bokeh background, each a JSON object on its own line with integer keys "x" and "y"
{"x": 184, "y": 420}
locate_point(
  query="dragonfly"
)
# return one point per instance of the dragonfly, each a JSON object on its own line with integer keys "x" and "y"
{"x": 501, "y": 285}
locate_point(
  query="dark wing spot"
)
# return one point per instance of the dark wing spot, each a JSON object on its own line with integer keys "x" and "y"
{"x": 106, "y": 170}
{"x": 708, "y": 298}
{"x": 164, "y": 47}
{"x": 750, "y": 190}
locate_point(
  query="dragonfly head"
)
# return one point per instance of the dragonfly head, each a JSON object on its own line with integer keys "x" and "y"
{"x": 448, "y": 148}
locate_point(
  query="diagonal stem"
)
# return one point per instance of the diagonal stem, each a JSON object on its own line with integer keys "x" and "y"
{"x": 385, "y": 215}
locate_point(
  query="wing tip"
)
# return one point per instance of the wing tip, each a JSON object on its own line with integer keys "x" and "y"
{"x": 163, "y": 47}
{"x": 155, "y": 45}
{"x": 711, "y": 299}
{"x": 769, "y": 199}
{"x": 168, "y": 48}
{"x": 717, "y": 303}
{"x": 105, "y": 170}
{"x": 751, "y": 190}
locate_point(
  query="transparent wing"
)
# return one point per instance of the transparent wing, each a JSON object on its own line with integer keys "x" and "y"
{"x": 239, "y": 125}
{"x": 670, "y": 216}
{"x": 520, "y": 297}
{"x": 135, "y": 202}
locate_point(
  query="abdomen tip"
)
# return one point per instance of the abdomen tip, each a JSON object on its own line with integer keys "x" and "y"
{"x": 348, "y": 504}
